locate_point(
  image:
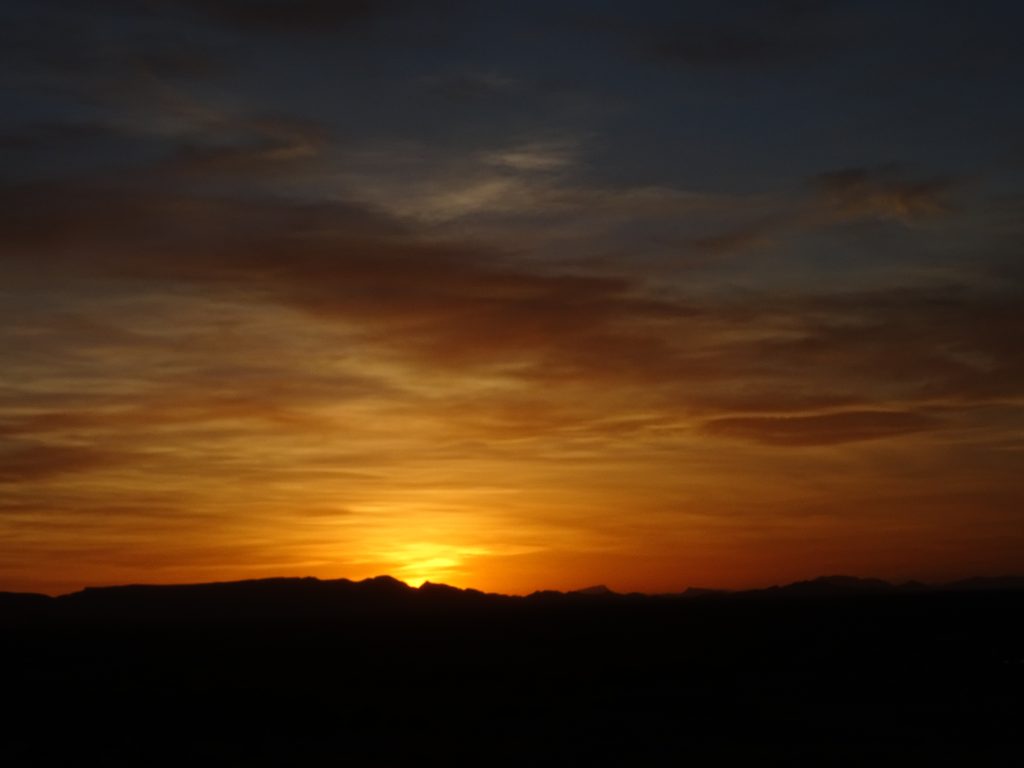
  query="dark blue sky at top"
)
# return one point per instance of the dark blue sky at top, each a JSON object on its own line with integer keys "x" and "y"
{"x": 742, "y": 96}
{"x": 756, "y": 102}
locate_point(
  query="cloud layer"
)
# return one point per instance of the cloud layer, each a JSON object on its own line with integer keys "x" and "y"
{"x": 347, "y": 288}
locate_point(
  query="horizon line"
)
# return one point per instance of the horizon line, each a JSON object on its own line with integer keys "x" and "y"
{"x": 592, "y": 589}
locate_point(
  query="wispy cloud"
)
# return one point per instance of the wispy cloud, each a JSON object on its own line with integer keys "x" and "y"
{"x": 821, "y": 429}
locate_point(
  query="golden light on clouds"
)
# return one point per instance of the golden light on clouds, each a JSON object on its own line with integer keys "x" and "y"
{"x": 460, "y": 322}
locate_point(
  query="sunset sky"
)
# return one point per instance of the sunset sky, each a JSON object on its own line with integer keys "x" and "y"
{"x": 511, "y": 295}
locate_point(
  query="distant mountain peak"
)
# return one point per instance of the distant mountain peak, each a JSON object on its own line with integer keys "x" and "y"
{"x": 835, "y": 584}
{"x": 389, "y": 583}
{"x": 437, "y": 588}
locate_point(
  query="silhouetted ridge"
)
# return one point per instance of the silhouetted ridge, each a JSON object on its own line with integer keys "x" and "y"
{"x": 600, "y": 590}
{"x": 23, "y": 598}
{"x": 701, "y": 592}
{"x": 311, "y": 597}
{"x": 273, "y": 597}
{"x": 386, "y": 586}
{"x": 436, "y": 590}
{"x": 982, "y": 583}
{"x": 836, "y": 585}
{"x": 310, "y": 672}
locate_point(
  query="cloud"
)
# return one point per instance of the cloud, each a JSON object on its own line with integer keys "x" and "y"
{"x": 188, "y": 409}
{"x": 533, "y": 156}
{"x": 728, "y": 243}
{"x": 445, "y": 301}
{"x": 924, "y": 343}
{"x": 838, "y": 197}
{"x": 883, "y": 192}
{"x": 33, "y": 463}
{"x": 258, "y": 145}
{"x": 439, "y": 303}
{"x": 821, "y": 429}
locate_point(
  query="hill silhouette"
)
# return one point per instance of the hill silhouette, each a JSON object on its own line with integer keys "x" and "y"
{"x": 832, "y": 671}
{"x": 307, "y": 597}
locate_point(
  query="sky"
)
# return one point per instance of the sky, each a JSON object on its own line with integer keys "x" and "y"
{"x": 510, "y": 295}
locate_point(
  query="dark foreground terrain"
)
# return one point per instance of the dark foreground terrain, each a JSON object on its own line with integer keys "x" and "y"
{"x": 304, "y": 672}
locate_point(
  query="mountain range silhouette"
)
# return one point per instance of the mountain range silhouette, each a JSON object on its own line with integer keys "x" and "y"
{"x": 301, "y": 671}
{"x": 309, "y": 596}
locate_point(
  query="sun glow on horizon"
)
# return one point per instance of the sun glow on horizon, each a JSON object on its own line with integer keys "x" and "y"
{"x": 246, "y": 334}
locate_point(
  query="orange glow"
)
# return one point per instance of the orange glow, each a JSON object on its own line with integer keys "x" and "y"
{"x": 465, "y": 322}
